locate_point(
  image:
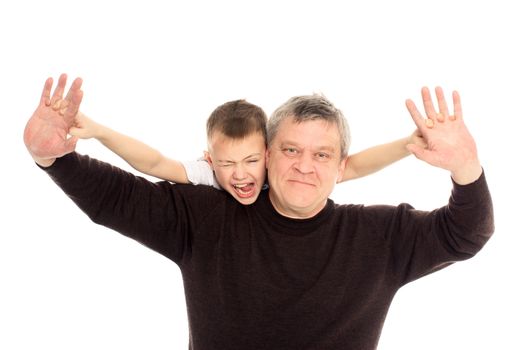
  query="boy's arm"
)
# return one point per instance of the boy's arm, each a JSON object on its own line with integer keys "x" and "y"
{"x": 139, "y": 155}
{"x": 376, "y": 158}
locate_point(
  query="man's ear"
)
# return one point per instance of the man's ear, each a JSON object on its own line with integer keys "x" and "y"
{"x": 341, "y": 170}
{"x": 266, "y": 156}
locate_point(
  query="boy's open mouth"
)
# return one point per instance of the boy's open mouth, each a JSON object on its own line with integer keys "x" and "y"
{"x": 244, "y": 190}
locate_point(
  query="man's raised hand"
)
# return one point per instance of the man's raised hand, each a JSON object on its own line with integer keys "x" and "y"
{"x": 46, "y": 132}
{"x": 449, "y": 143}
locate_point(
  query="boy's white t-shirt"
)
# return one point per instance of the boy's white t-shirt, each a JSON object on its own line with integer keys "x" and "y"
{"x": 199, "y": 172}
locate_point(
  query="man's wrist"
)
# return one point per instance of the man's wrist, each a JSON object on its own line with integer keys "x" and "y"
{"x": 44, "y": 163}
{"x": 467, "y": 174}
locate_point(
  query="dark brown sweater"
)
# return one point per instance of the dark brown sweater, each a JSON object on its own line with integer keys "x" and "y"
{"x": 257, "y": 280}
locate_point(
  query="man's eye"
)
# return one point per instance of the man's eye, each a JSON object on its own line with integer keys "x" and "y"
{"x": 323, "y": 155}
{"x": 290, "y": 150}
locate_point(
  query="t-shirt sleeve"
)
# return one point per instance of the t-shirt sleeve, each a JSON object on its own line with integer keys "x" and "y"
{"x": 199, "y": 172}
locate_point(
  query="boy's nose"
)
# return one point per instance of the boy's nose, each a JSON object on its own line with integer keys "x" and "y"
{"x": 239, "y": 173}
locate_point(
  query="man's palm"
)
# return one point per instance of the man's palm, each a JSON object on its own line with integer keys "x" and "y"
{"x": 46, "y": 132}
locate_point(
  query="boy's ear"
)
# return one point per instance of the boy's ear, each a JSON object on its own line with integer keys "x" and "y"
{"x": 208, "y": 157}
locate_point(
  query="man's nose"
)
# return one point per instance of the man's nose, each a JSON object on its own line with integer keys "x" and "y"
{"x": 304, "y": 163}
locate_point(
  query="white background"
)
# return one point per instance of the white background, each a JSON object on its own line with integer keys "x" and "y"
{"x": 156, "y": 71}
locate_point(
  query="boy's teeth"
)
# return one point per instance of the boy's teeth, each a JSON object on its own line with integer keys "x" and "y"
{"x": 244, "y": 189}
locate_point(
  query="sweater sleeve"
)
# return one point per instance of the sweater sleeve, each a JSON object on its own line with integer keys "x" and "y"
{"x": 158, "y": 215}
{"x": 423, "y": 242}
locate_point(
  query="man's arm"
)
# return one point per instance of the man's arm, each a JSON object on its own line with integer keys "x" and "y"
{"x": 426, "y": 241}
{"x": 422, "y": 242}
{"x": 159, "y": 215}
{"x": 140, "y": 156}
{"x": 154, "y": 214}
{"x": 378, "y": 157}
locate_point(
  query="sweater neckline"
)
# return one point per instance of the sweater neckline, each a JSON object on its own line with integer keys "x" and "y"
{"x": 293, "y": 226}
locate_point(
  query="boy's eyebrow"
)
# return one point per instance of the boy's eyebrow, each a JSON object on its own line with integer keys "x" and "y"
{"x": 252, "y": 155}
{"x": 247, "y": 157}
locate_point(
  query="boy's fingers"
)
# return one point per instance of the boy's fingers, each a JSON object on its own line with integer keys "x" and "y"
{"x": 56, "y": 105}
{"x": 416, "y": 150}
{"x": 421, "y": 153}
{"x": 61, "y": 106}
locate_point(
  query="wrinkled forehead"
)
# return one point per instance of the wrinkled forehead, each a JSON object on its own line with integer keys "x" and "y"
{"x": 300, "y": 130}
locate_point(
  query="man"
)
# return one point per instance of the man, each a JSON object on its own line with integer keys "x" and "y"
{"x": 293, "y": 270}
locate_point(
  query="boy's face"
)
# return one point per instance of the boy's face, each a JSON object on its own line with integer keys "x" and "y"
{"x": 239, "y": 164}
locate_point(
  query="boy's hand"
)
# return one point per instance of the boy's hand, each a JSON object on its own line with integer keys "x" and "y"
{"x": 416, "y": 138}
{"x": 84, "y": 128}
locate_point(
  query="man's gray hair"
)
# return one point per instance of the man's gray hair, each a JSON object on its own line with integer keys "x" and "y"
{"x": 306, "y": 108}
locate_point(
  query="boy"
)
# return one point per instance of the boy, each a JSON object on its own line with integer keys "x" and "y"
{"x": 235, "y": 160}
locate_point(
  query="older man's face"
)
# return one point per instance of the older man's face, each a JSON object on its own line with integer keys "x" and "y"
{"x": 304, "y": 164}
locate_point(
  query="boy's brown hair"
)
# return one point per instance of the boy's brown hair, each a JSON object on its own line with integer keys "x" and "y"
{"x": 237, "y": 119}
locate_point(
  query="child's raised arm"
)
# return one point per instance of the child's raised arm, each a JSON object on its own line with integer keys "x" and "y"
{"x": 139, "y": 155}
{"x": 376, "y": 158}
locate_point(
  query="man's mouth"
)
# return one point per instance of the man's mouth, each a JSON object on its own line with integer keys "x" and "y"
{"x": 244, "y": 190}
{"x": 299, "y": 182}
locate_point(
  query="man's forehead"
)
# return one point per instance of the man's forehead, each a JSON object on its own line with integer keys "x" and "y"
{"x": 293, "y": 121}
{"x": 321, "y": 130}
